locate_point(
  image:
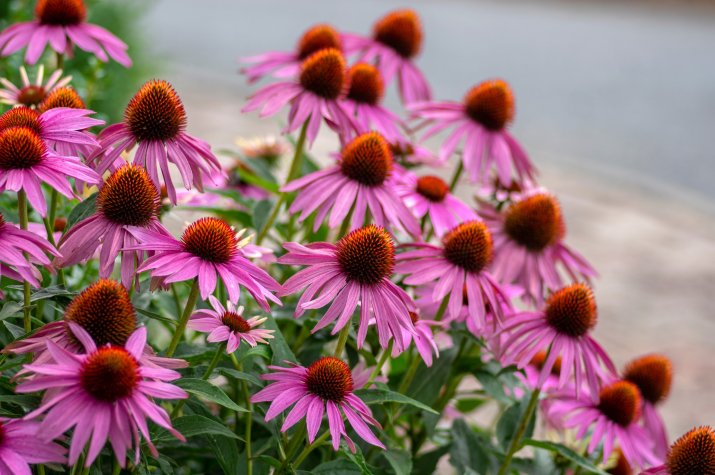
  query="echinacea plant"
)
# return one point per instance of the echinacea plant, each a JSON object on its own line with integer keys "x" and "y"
{"x": 353, "y": 317}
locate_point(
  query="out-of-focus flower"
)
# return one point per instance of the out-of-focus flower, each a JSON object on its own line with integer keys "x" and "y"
{"x": 480, "y": 121}
{"x": 429, "y": 196}
{"x": 21, "y": 445}
{"x": 209, "y": 248}
{"x": 281, "y": 64}
{"x": 104, "y": 310}
{"x": 361, "y": 375}
{"x": 127, "y": 200}
{"x": 692, "y": 453}
{"x": 155, "y": 122}
{"x": 529, "y": 247}
{"x": 62, "y": 24}
{"x": 31, "y": 94}
{"x": 396, "y": 41}
{"x": 409, "y": 153}
{"x": 105, "y": 393}
{"x": 459, "y": 264}
{"x": 227, "y": 324}
{"x": 313, "y": 97}
{"x": 16, "y": 265}
{"x": 363, "y": 103}
{"x": 325, "y": 386}
{"x": 422, "y": 338}
{"x": 361, "y": 180}
{"x": 268, "y": 148}
{"x": 562, "y": 328}
{"x": 355, "y": 270}
{"x": 653, "y": 375}
{"x": 611, "y": 415}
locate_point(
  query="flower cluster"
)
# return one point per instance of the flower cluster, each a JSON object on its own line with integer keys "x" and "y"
{"x": 374, "y": 287}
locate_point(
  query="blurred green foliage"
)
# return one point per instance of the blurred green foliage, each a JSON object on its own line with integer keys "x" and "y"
{"x": 105, "y": 87}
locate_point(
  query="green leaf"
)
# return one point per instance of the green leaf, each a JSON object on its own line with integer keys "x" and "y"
{"x": 240, "y": 375}
{"x": 245, "y": 351}
{"x": 260, "y": 212}
{"x": 193, "y": 425}
{"x": 256, "y": 180}
{"x": 426, "y": 464}
{"x": 206, "y": 390}
{"x": 381, "y": 396}
{"x": 154, "y": 316}
{"x": 231, "y": 215}
{"x": 492, "y": 385}
{"x": 469, "y": 404}
{"x": 14, "y": 330}
{"x": 10, "y": 309}
{"x": 334, "y": 467}
{"x": 429, "y": 382}
{"x": 510, "y": 420}
{"x": 566, "y": 452}
{"x": 52, "y": 292}
{"x": 469, "y": 451}
{"x": 83, "y": 210}
{"x": 399, "y": 460}
{"x": 281, "y": 350}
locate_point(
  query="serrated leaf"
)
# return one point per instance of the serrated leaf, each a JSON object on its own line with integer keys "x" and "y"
{"x": 83, "y": 210}
{"x": 206, "y": 390}
{"x": 193, "y": 425}
{"x": 566, "y": 452}
{"x": 380, "y": 396}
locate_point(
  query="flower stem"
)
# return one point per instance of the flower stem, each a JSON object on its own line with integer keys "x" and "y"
{"x": 249, "y": 418}
{"x": 442, "y": 308}
{"x": 50, "y": 228}
{"x": 515, "y": 444}
{"x": 190, "y": 304}
{"x": 409, "y": 375}
{"x": 380, "y": 363}
{"x": 457, "y": 175}
{"x": 306, "y": 451}
{"x": 292, "y": 173}
{"x": 342, "y": 340}
{"x": 22, "y": 210}
{"x": 295, "y": 441}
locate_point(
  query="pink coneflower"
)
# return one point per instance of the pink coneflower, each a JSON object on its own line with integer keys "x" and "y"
{"x": 562, "y": 328}
{"x": 127, "y": 200}
{"x": 481, "y": 122}
{"x": 612, "y": 419}
{"x": 20, "y": 252}
{"x": 529, "y": 248}
{"x": 62, "y": 24}
{"x": 268, "y": 148}
{"x": 227, "y": 324}
{"x": 362, "y": 180}
{"x": 693, "y": 453}
{"x": 20, "y": 446}
{"x": 105, "y": 392}
{"x": 653, "y": 375}
{"x": 313, "y": 97}
{"x": 363, "y": 103}
{"x": 355, "y": 270}
{"x": 422, "y": 338}
{"x": 396, "y": 41}
{"x": 407, "y": 152}
{"x": 155, "y": 120}
{"x": 104, "y": 310}
{"x": 31, "y": 94}
{"x": 458, "y": 265}
{"x": 281, "y": 64}
{"x": 325, "y": 386}
{"x": 429, "y": 196}
{"x": 208, "y": 249}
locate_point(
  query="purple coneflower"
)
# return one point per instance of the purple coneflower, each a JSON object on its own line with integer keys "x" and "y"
{"x": 209, "y": 249}
{"x": 529, "y": 248}
{"x": 562, "y": 328}
{"x": 31, "y": 94}
{"x": 693, "y": 452}
{"x": 127, "y": 200}
{"x": 653, "y": 375}
{"x": 396, "y": 41}
{"x": 104, "y": 310}
{"x": 355, "y": 270}
{"x": 458, "y": 265}
{"x": 362, "y": 180}
{"x": 281, "y": 64}
{"x": 313, "y": 97}
{"x": 105, "y": 393}
{"x": 227, "y": 324}
{"x": 62, "y": 24}
{"x": 611, "y": 417}
{"x": 155, "y": 120}
{"x": 21, "y": 445}
{"x": 429, "y": 196}
{"x": 325, "y": 386}
{"x": 363, "y": 103}
{"x": 16, "y": 265}
{"x": 422, "y": 338}
{"x": 481, "y": 122}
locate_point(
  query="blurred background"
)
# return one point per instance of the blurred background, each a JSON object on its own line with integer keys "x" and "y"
{"x": 615, "y": 104}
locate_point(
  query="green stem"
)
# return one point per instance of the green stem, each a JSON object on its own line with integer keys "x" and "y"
{"x": 342, "y": 340}
{"x": 442, "y": 308}
{"x": 22, "y": 210}
{"x": 345, "y": 227}
{"x": 302, "y": 336}
{"x": 409, "y": 375}
{"x": 292, "y": 173}
{"x": 306, "y": 451}
{"x": 457, "y": 175}
{"x": 515, "y": 444}
{"x": 380, "y": 363}
{"x": 116, "y": 469}
{"x": 249, "y": 424}
{"x": 50, "y": 228}
{"x": 60, "y": 61}
{"x": 292, "y": 447}
{"x": 179, "y": 332}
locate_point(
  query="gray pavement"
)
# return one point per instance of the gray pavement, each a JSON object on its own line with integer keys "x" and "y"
{"x": 616, "y": 105}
